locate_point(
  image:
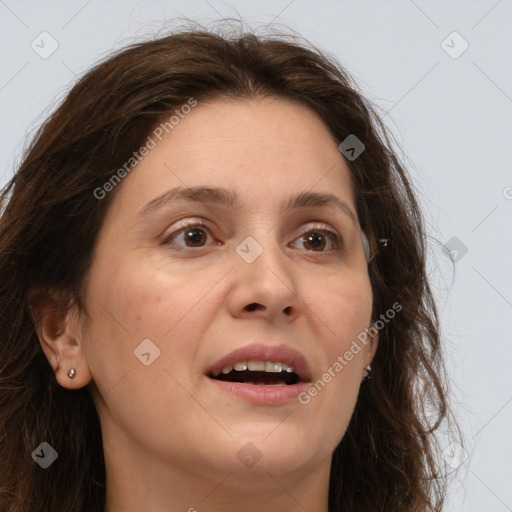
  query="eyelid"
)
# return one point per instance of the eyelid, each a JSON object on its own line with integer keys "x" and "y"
{"x": 335, "y": 237}
{"x": 189, "y": 223}
{"x": 321, "y": 226}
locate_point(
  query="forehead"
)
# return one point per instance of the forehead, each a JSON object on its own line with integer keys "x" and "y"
{"x": 250, "y": 126}
{"x": 263, "y": 148}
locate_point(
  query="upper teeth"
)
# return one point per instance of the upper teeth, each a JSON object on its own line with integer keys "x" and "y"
{"x": 258, "y": 366}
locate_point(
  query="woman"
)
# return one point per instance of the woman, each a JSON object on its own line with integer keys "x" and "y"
{"x": 203, "y": 251}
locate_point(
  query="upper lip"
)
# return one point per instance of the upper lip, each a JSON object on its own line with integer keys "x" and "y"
{"x": 262, "y": 352}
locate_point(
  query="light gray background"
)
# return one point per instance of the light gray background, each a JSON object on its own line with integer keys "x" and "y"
{"x": 451, "y": 116}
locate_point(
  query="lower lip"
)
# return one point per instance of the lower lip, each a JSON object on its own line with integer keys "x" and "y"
{"x": 261, "y": 395}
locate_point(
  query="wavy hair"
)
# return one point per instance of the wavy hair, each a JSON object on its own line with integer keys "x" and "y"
{"x": 388, "y": 459}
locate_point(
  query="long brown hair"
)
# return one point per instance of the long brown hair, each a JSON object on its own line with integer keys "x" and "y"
{"x": 388, "y": 459}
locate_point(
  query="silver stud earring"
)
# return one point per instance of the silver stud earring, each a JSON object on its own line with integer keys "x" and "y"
{"x": 368, "y": 371}
{"x": 71, "y": 373}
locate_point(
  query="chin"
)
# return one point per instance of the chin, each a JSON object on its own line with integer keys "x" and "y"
{"x": 277, "y": 450}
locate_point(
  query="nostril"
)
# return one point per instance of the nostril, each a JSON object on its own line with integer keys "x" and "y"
{"x": 252, "y": 307}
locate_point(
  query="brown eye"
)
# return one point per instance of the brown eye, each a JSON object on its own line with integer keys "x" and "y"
{"x": 193, "y": 235}
{"x": 318, "y": 239}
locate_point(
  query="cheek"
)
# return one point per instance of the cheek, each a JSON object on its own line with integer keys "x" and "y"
{"x": 138, "y": 302}
{"x": 343, "y": 310}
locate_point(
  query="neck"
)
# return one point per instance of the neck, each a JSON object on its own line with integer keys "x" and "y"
{"x": 138, "y": 481}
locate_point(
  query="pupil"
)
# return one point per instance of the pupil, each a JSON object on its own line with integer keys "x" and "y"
{"x": 194, "y": 235}
{"x": 310, "y": 240}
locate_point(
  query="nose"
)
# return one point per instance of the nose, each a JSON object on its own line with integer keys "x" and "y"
{"x": 265, "y": 287}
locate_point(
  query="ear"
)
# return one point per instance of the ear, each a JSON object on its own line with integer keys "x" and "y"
{"x": 369, "y": 350}
{"x": 58, "y": 329}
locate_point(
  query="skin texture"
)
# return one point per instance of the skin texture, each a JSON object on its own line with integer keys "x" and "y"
{"x": 171, "y": 438}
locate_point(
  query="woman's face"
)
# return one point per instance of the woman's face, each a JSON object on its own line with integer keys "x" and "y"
{"x": 261, "y": 279}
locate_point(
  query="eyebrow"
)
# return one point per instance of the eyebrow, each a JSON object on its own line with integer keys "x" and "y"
{"x": 230, "y": 198}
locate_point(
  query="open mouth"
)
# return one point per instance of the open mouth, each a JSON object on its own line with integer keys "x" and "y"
{"x": 258, "y": 373}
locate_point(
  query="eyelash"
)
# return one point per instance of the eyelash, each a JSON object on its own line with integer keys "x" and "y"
{"x": 336, "y": 239}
